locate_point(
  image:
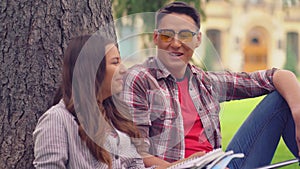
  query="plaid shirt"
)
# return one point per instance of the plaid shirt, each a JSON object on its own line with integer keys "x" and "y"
{"x": 151, "y": 93}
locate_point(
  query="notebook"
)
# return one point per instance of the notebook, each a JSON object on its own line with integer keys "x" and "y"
{"x": 216, "y": 159}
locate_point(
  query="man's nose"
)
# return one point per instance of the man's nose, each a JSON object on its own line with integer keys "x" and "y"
{"x": 176, "y": 42}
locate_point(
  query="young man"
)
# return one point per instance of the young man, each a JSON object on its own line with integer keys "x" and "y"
{"x": 176, "y": 105}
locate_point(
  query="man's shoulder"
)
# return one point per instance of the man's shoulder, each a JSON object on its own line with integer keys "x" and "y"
{"x": 196, "y": 69}
{"x": 148, "y": 66}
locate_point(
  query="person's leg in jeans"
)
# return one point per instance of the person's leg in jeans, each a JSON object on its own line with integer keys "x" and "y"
{"x": 259, "y": 135}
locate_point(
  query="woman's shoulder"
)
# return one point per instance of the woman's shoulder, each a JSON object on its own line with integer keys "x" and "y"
{"x": 57, "y": 112}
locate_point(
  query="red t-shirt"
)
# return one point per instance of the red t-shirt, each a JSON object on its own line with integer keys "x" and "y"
{"x": 195, "y": 138}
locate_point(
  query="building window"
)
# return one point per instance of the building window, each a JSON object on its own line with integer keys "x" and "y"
{"x": 293, "y": 43}
{"x": 255, "y": 41}
{"x": 214, "y": 36}
{"x": 256, "y": 1}
{"x": 290, "y": 3}
{"x": 292, "y": 51}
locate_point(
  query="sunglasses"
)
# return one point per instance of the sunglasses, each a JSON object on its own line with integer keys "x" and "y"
{"x": 167, "y": 35}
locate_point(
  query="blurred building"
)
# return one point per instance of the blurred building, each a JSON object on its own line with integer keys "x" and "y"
{"x": 254, "y": 34}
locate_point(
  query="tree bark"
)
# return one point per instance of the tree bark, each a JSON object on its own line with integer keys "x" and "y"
{"x": 33, "y": 37}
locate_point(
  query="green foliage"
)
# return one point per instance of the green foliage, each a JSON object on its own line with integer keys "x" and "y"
{"x": 127, "y": 7}
{"x": 291, "y": 61}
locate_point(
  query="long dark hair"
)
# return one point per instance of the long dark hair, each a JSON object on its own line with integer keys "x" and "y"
{"x": 84, "y": 67}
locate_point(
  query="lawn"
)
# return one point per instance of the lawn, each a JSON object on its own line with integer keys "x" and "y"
{"x": 232, "y": 118}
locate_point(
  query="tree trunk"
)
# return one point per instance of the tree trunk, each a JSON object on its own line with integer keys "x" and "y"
{"x": 33, "y": 37}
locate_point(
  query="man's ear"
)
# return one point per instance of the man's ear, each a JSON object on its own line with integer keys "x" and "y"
{"x": 199, "y": 39}
{"x": 155, "y": 37}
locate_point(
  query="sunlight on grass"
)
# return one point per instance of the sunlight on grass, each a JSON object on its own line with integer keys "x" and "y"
{"x": 234, "y": 113}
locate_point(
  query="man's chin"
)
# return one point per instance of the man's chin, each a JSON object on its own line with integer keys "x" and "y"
{"x": 176, "y": 65}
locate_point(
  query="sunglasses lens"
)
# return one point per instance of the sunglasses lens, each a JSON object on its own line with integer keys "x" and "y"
{"x": 185, "y": 36}
{"x": 166, "y": 35}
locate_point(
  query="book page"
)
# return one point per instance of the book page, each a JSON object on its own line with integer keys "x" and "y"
{"x": 210, "y": 166}
{"x": 199, "y": 161}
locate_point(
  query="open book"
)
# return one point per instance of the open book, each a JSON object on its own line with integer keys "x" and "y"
{"x": 216, "y": 159}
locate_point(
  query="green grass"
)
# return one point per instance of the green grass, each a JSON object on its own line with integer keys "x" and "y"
{"x": 234, "y": 113}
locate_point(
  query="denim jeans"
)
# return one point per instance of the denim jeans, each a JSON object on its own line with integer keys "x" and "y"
{"x": 259, "y": 135}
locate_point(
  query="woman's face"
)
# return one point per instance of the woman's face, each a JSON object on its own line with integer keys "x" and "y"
{"x": 113, "y": 79}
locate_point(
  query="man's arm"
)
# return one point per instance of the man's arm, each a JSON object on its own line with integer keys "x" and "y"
{"x": 288, "y": 86}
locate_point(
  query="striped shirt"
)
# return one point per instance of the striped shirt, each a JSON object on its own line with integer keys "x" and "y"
{"x": 58, "y": 145}
{"x": 151, "y": 93}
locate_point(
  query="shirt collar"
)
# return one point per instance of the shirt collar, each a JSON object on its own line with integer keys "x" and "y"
{"x": 159, "y": 69}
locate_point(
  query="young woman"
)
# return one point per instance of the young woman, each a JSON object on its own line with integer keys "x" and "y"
{"x": 83, "y": 128}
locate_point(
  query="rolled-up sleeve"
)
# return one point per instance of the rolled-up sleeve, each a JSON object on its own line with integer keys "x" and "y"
{"x": 238, "y": 85}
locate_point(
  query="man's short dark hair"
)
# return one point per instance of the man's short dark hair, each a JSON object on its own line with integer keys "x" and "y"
{"x": 180, "y": 8}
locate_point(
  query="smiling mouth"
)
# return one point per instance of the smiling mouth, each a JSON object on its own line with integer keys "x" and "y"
{"x": 177, "y": 54}
{"x": 120, "y": 80}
